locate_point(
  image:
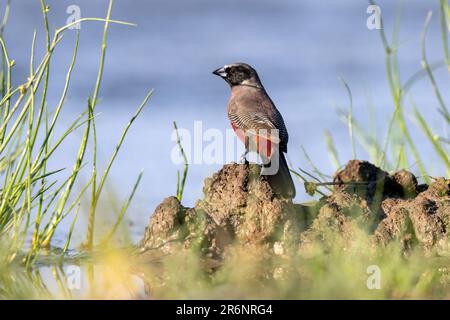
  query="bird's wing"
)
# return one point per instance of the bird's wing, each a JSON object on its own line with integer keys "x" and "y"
{"x": 258, "y": 123}
{"x": 278, "y": 122}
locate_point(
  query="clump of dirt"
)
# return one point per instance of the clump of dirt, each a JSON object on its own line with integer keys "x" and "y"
{"x": 423, "y": 219}
{"x": 337, "y": 221}
{"x": 373, "y": 184}
{"x": 389, "y": 207}
{"x": 173, "y": 225}
{"x": 240, "y": 208}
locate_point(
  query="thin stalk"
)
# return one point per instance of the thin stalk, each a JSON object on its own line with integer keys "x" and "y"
{"x": 433, "y": 139}
{"x": 91, "y": 219}
{"x": 65, "y": 196}
{"x": 426, "y": 66}
{"x": 350, "y": 117}
{"x": 332, "y": 150}
{"x": 443, "y": 7}
{"x": 124, "y": 209}
{"x": 181, "y": 183}
{"x": 88, "y": 244}
{"x": 8, "y": 89}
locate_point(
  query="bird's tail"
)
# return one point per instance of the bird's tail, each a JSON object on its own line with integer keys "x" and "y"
{"x": 281, "y": 182}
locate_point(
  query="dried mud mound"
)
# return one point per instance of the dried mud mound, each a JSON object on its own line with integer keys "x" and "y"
{"x": 239, "y": 207}
{"x": 423, "y": 219}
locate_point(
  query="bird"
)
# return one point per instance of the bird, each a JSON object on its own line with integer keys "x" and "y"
{"x": 257, "y": 122}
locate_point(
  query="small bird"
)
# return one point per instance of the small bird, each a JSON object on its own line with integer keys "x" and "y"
{"x": 254, "y": 116}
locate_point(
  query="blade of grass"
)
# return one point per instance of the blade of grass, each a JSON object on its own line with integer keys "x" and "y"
{"x": 124, "y": 209}
{"x": 181, "y": 182}
{"x": 433, "y": 139}
{"x": 90, "y": 236}
{"x": 332, "y": 152}
{"x": 350, "y": 116}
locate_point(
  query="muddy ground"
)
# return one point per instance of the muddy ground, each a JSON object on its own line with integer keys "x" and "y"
{"x": 240, "y": 208}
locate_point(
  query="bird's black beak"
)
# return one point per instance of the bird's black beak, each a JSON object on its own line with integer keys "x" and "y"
{"x": 220, "y": 72}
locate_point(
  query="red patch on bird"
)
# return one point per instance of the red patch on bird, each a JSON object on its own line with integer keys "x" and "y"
{"x": 263, "y": 145}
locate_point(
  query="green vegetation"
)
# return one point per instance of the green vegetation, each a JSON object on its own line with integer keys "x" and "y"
{"x": 340, "y": 272}
{"x": 397, "y": 149}
{"x": 34, "y": 200}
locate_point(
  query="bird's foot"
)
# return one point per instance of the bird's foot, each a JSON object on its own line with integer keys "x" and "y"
{"x": 244, "y": 159}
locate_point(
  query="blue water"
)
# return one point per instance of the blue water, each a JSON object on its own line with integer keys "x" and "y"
{"x": 299, "y": 48}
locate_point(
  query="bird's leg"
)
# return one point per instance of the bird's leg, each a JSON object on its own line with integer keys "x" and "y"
{"x": 244, "y": 155}
{"x": 244, "y": 158}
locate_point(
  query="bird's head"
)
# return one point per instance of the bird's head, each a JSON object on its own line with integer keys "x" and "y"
{"x": 239, "y": 74}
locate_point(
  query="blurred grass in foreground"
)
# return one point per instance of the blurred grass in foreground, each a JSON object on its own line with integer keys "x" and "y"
{"x": 341, "y": 271}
